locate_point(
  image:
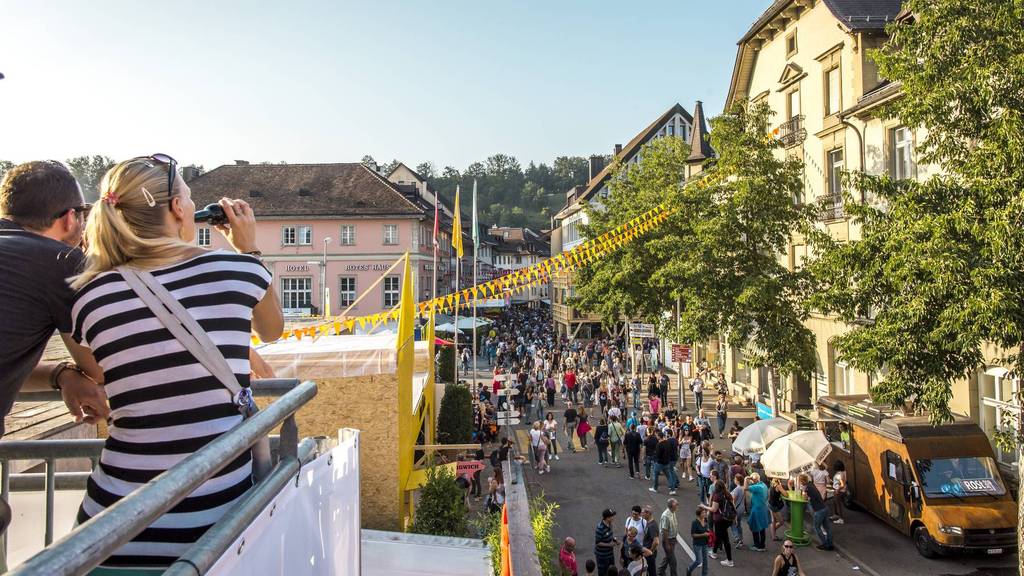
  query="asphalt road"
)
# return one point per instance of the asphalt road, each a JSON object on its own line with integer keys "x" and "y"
{"x": 582, "y": 488}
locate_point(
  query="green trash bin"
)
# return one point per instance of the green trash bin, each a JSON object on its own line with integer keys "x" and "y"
{"x": 796, "y": 531}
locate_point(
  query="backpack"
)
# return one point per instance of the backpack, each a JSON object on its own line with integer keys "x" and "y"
{"x": 729, "y": 510}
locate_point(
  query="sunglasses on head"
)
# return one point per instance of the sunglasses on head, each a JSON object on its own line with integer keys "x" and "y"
{"x": 172, "y": 168}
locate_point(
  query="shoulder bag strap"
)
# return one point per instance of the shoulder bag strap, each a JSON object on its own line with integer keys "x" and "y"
{"x": 182, "y": 325}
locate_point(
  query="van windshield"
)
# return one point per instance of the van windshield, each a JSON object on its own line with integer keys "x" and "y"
{"x": 949, "y": 477}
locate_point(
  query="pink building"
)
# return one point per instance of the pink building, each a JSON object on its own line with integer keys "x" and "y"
{"x": 333, "y": 226}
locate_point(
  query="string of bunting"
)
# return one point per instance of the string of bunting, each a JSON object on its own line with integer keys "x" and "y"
{"x": 509, "y": 284}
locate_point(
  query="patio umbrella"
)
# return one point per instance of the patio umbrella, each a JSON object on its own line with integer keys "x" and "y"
{"x": 442, "y": 342}
{"x": 795, "y": 453}
{"x": 448, "y": 328}
{"x": 755, "y": 438}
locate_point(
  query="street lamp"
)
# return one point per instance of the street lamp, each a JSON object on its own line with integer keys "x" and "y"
{"x": 323, "y": 280}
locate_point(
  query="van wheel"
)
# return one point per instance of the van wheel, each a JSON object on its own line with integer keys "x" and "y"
{"x": 924, "y": 543}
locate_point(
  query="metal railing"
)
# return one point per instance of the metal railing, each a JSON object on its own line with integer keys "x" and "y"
{"x": 792, "y": 131}
{"x": 92, "y": 542}
{"x": 830, "y": 207}
{"x": 522, "y": 543}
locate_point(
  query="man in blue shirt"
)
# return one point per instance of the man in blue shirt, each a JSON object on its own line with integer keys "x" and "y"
{"x": 605, "y": 542}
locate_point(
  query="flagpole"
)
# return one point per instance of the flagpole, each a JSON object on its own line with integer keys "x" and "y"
{"x": 433, "y": 275}
{"x": 476, "y": 243}
{"x": 457, "y": 229}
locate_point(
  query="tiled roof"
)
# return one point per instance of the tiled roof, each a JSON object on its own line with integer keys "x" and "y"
{"x": 290, "y": 190}
{"x": 630, "y": 149}
{"x": 852, "y": 14}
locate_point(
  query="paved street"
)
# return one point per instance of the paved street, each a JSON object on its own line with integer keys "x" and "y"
{"x": 582, "y": 488}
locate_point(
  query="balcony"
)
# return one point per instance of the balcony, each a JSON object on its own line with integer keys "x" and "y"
{"x": 791, "y": 132}
{"x": 830, "y": 208}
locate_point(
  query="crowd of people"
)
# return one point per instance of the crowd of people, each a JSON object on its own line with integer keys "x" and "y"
{"x": 579, "y": 397}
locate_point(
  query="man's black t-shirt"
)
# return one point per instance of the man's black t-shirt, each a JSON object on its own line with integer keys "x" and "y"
{"x": 35, "y": 301}
{"x": 570, "y": 416}
{"x": 650, "y": 445}
{"x": 632, "y": 442}
{"x": 663, "y": 454}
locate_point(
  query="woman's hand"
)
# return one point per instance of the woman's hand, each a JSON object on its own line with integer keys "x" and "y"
{"x": 240, "y": 231}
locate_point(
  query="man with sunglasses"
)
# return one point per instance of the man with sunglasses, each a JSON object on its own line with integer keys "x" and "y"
{"x": 42, "y": 217}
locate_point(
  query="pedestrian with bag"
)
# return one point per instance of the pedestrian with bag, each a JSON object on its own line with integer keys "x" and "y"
{"x": 722, "y": 413}
{"x": 723, "y": 514}
{"x": 758, "y": 517}
{"x": 616, "y": 433}
{"x": 570, "y": 425}
{"x": 822, "y": 520}
{"x": 697, "y": 386}
{"x": 551, "y": 431}
{"x": 583, "y": 427}
{"x": 632, "y": 444}
{"x": 669, "y": 526}
{"x": 601, "y": 439}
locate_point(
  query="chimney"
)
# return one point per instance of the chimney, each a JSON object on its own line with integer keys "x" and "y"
{"x": 190, "y": 173}
{"x": 618, "y": 150}
{"x": 241, "y": 162}
{"x": 596, "y": 165}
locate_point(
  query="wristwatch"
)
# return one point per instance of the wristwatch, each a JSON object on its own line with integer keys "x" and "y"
{"x": 59, "y": 369}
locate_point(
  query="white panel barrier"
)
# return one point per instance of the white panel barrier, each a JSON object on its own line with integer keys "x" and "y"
{"x": 311, "y": 527}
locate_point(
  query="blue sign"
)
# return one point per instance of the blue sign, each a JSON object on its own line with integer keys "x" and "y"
{"x": 764, "y": 412}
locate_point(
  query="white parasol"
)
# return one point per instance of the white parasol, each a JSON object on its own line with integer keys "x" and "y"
{"x": 756, "y": 438}
{"x": 795, "y": 453}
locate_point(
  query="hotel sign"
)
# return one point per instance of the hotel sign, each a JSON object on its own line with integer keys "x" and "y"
{"x": 296, "y": 268}
{"x": 367, "y": 267}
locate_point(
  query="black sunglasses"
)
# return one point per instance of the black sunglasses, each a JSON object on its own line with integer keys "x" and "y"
{"x": 83, "y": 209}
{"x": 787, "y": 545}
{"x": 172, "y": 168}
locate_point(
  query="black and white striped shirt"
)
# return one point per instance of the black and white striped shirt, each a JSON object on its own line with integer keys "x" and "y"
{"x": 165, "y": 405}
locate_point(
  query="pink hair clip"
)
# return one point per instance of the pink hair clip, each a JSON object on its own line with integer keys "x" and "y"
{"x": 109, "y": 197}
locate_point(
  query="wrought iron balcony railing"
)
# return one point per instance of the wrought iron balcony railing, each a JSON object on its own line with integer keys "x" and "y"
{"x": 792, "y": 131}
{"x": 830, "y": 208}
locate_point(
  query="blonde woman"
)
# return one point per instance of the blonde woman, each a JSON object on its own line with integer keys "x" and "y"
{"x": 165, "y": 403}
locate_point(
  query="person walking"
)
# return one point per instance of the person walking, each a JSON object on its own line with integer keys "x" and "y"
{"x": 776, "y": 505}
{"x": 651, "y": 539}
{"x": 583, "y": 427}
{"x": 551, "y": 431}
{"x": 839, "y": 485}
{"x": 669, "y": 527}
{"x": 662, "y": 459}
{"x": 705, "y": 463}
{"x": 605, "y": 542}
{"x": 567, "y": 558}
{"x": 699, "y": 534}
{"x": 738, "y": 493}
{"x": 616, "y": 433}
{"x": 758, "y": 515}
{"x": 632, "y": 443}
{"x": 537, "y": 444}
{"x": 650, "y": 451}
{"x": 822, "y": 521}
{"x": 549, "y": 387}
{"x": 722, "y": 413}
{"x": 697, "y": 386}
{"x": 601, "y": 439}
{"x": 723, "y": 513}
{"x": 570, "y": 426}
{"x": 786, "y": 563}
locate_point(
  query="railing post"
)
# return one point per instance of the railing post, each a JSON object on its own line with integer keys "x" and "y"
{"x": 50, "y": 465}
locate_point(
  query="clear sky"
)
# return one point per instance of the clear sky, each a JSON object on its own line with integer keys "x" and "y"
{"x": 450, "y": 81}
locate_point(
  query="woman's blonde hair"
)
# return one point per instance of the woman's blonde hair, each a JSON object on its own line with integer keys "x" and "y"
{"x": 127, "y": 225}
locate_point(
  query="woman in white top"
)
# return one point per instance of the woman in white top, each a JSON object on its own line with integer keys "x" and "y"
{"x": 551, "y": 431}
{"x": 165, "y": 403}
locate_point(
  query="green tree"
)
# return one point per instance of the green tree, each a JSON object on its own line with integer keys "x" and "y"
{"x": 442, "y": 506}
{"x": 89, "y": 171}
{"x": 719, "y": 254}
{"x": 940, "y": 266}
{"x": 455, "y": 418}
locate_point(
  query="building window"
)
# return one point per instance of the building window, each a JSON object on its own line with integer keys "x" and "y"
{"x": 671, "y": 130}
{"x": 296, "y": 292}
{"x": 203, "y": 237}
{"x": 832, "y": 92}
{"x": 390, "y": 291}
{"x": 390, "y": 234}
{"x": 791, "y": 44}
{"x": 998, "y": 388}
{"x": 793, "y": 104}
{"x": 288, "y": 236}
{"x": 348, "y": 234}
{"x": 835, "y": 173}
{"x": 903, "y": 153}
{"x": 346, "y": 290}
{"x": 305, "y": 235}
{"x": 843, "y": 384}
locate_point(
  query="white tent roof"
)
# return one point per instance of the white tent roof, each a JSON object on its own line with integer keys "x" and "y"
{"x": 406, "y": 554}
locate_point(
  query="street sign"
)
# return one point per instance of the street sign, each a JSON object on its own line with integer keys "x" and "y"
{"x": 638, "y": 330}
{"x": 468, "y": 467}
{"x": 508, "y": 391}
{"x": 681, "y": 353}
{"x": 508, "y": 414}
{"x": 510, "y": 421}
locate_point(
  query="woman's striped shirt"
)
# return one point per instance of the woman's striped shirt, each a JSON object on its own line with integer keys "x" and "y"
{"x": 165, "y": 405}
